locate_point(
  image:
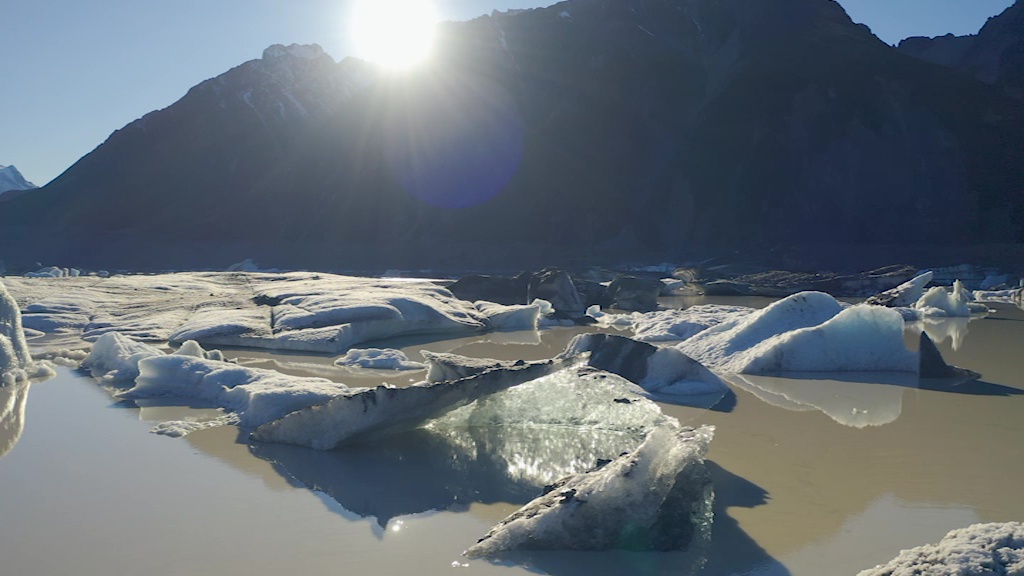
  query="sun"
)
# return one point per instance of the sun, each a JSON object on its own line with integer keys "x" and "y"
{"x": 396, "y": 34}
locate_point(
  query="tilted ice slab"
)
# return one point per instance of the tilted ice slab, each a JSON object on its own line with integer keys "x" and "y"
{"x": 675, "y": 325}
{"x": 729, "y": 346}
{"x": 446, "y": 367}
{"x": 293, "y": 311}
{"x": 904, "y": 295}
{"x": 358, "y": 414}
{"x": 257, "y": 396}
{"x": 656, "y": 498}
{"x": 378, "y": 359}
{"x": 980, "y": 550}
{"x": 662, "y": 371}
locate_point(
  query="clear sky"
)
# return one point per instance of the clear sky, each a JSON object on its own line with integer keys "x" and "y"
{"x": 72, "y": 72}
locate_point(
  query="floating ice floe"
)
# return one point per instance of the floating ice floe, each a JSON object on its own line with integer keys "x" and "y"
{"x": 15, "y": 360}
{"x": 378, "y": 359}
{"x": 512, "y": 318}
{"x": 360, "y": 413}
{"x": 656, "y": 498}
{"x": 257, "y": 396}
{"x": 299, "y": 311}
{"x": 979, "y": 550}
{"x": 938, "y": 302}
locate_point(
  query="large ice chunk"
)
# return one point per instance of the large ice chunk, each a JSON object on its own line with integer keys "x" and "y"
{"x": 860, "y": 339}
{"x": 14, "y": 354}
{"x": 980, "y": 550}
{"x": 357, "y": 414}
{"x": 258, "y": 396}
{"x": 656, "y": 498}
{"x": 959, "y": 303}
{"x": 511, "y": 318}
{"x": 728, "y": 346}
{"x": 115, "y": 357}
{"x": 446, "y": 367}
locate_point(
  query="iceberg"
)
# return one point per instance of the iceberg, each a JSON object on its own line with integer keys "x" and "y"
{"x": 115, "y": 357}
{"x": 360, "y": 413}
{"x": 16, "y": 363}
{"x": 959, "y": 303}
{"x": 728, "y": 346}
{"x": 512, "y": 318}
{"x": 447, "y": 367}
{"x": 979, "y": 550}
{"x": 656, "y": 498}
{"x": 378, "y": 359}
{"x": 257, "y": 396}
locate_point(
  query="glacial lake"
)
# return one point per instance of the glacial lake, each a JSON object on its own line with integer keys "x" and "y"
{"x": 823, "y": 475}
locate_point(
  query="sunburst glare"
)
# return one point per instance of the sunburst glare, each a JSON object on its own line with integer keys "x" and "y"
{"x": 394, "y": 33}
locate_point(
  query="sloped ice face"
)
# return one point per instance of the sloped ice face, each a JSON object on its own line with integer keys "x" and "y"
{"x": 860, "y": 338}
{"x": 656, "y": 498}
{"x": 726, "y": 347}
{"x": 980, "y": 550}
{"x": 904, "y": 295}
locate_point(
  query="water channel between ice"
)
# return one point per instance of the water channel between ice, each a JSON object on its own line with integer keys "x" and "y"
{"x": 823, "y": 475}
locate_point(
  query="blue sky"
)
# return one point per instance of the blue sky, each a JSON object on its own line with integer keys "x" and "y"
{"x": 72, "y": 72}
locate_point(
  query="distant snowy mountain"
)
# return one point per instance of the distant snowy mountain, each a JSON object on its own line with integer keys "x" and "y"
{"x": 591, "y": 130}
{"x": 12, "y": 181}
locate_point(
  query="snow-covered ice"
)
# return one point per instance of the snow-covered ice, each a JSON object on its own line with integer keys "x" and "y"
{"x": 979, "y": 550}
{"x": 378, "y": 359}
{"x": 115, "y": 357}
{"x": 674, "y": 325}
{"x": 656, "y": 498}
{"x": 361, "y": 413}
{"x": 512, "y": 318}
{"x": 300, "y": 311}
{"x": 15, "y": 360}
{"x": 257, "y": 396}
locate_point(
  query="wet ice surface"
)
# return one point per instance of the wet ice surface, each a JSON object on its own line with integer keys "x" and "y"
{"x": 829, "y": 475}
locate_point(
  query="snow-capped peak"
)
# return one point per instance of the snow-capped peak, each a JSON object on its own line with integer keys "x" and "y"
{"x": 11, "y": 179}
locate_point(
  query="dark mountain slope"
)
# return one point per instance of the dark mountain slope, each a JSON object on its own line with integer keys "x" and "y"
{"x": 591, "y": 130}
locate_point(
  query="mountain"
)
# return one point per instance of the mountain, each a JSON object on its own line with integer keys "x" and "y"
{"x": 994, "y": 55}
{"x": 12, "y": 183}
{"x": 592, "y": 130}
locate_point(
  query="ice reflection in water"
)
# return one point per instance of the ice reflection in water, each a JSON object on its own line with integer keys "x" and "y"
{"x": 13, "y": 399}
{"x": 941, "y": 329}
{"x": 857, "y": 399}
